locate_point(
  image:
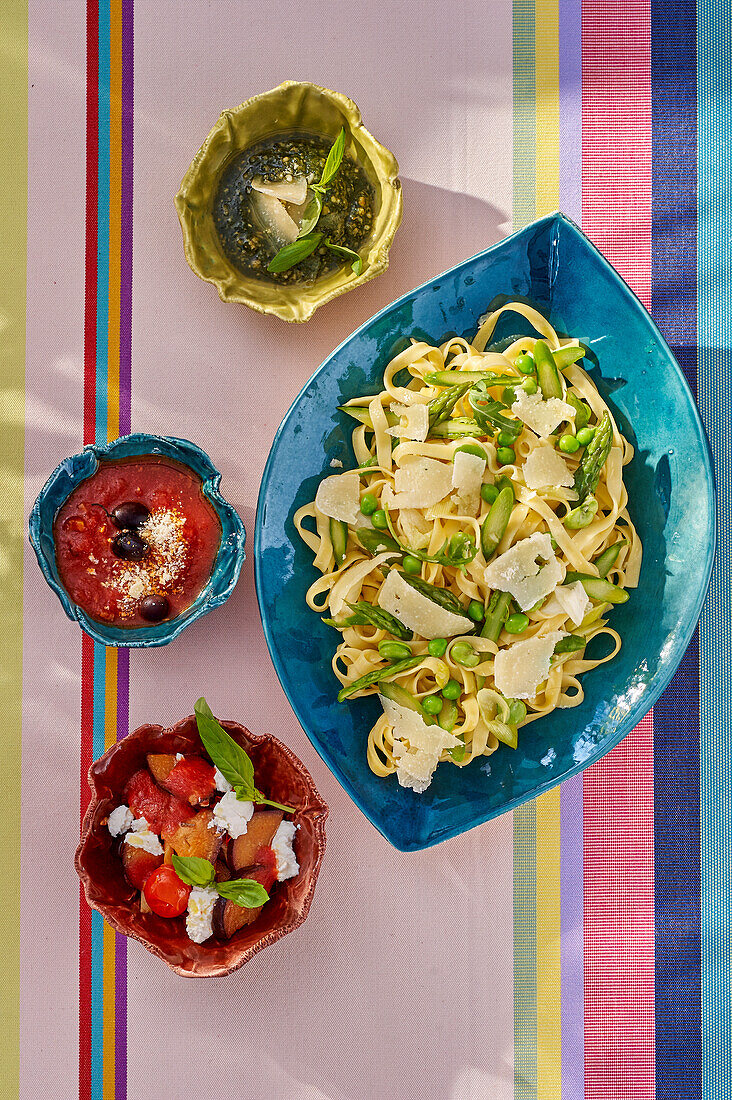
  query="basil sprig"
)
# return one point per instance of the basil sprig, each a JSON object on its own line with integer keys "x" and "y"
{"x": 307, "y": 239}
{"x": 230, "y": 758}
{"x": 291, "y": 254}
{"x": 348, "y": 254}
{"x": 195, "y": 871}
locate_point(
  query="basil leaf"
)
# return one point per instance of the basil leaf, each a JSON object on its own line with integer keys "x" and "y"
{"x": 333, "y": 160}
{"x": 348, "y": 254}
{"x": 291, "y": 254}
{"x": 193, "y": 871}
{"x": 243, "y": 891}
{"x": 310, "y": 216}
{"x": 229, "y": 758}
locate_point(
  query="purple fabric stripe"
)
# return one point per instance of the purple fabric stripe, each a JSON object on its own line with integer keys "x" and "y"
{"x": 120, "y": 1017}
{"x": 123, "y": 693}
{"x": 571, "y": 871}
{"x": 570, "y": 108}
{"x": 571, "y": 808}
{"x": 125, "y": 305}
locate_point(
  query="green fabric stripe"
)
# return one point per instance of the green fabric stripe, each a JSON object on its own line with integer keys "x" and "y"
{"x": 524, "y": 113}
{"x": 714, "y": 272}
{"x": 13, "y": 243}
{"x": 524, "y": 951}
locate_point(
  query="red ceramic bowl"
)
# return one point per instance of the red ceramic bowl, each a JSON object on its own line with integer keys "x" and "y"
{"x": 278, "y": 773}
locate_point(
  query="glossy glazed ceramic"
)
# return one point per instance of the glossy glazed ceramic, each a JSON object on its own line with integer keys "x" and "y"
{"x": 554, "y": 267}
{"x": 279, "y": 773}
{"x": 76, "y": 469}
{"x": 291, "y": 107}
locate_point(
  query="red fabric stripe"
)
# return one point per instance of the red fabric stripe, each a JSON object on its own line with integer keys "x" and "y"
{"x": 617, "y": 150}
{"x": 619, "y": 921}
{"x": 618, "y": 791}
{"x": 92, "y": 152}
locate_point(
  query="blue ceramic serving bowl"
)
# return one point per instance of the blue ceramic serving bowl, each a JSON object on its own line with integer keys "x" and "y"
{"x": 76, "y": 469}
{"x": 555, "y": 268}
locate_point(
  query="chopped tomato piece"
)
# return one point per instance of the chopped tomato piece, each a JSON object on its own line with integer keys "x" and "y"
{"x": 165, "y": 893}
{"x": 192, "y": 779}
{"x": 163, "y": 811}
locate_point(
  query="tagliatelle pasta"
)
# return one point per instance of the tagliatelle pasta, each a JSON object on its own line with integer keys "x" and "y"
{"x": 500, "y": 585}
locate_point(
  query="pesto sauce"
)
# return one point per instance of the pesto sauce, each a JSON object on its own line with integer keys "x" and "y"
{"x": 346, "y": 218}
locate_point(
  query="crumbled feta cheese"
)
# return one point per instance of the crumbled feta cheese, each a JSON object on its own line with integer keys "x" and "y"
{"x": 201, "y": 902}
{"x": 545, "y": 467}
{"x": 233, "y": 815}
{"x": 222, "y": 783}
{"x": 414, "y": 422}
{"x": 418, "y": 612}
{"x": 467, "y": 476}
{"x": 120, "y": 820}
{"x": 518, "y": 571}
{"x": 338, "y": 496}
{"x": 141, "y": 836}
{"x": 418, "y": 758}
{"x": 179, "y": 756}
{"x": 540, "y": 415}
{"x": 520, "y": 668}
{"x": 420, "y": 482}
{"x": 287, "y": 865}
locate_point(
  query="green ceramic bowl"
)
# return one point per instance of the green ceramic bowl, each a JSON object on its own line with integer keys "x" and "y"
{"x": 291, "y": 107}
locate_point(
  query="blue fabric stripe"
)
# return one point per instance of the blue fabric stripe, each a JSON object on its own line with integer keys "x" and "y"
{"x": 676, "y": 715}
{"x": 714, "y": 264}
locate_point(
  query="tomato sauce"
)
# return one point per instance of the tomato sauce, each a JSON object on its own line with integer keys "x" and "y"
{"x": 136, "y": 542}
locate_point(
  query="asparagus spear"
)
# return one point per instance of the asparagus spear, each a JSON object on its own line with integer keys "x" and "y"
{"x": 495, "y": 615}
{"x": 388, "y": 672}
{"x": 608, "y": 557}
{"x": 365, "y": 614}
{"x": 456, "y": 377}
{"x": 495, "y": 523}
{"x": 588, "y": 472}
{"x": 546, "y": 371}
{"x": 440, "y": 407}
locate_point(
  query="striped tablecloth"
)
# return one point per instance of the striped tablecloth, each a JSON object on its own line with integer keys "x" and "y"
{"x": 581, "y": 948}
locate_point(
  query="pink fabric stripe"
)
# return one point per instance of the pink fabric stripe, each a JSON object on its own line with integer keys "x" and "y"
{"x": 619, "y": 921}
{"x": 617, "y": 136}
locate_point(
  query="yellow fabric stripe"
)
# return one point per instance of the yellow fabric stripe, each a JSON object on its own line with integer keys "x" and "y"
{"x": 115, "y": 216}
{"x": 547, "y": 106}
{"x": 13, "y": 247}
{"x": 548, "y": 959}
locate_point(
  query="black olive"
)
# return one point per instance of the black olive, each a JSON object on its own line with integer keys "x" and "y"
{"x": 155, "y": 608}
{"x": 129, "y": 546}
{"x": 130, "y": 514}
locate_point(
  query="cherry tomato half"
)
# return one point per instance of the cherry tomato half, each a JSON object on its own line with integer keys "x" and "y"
{"x": 165, "y": 893}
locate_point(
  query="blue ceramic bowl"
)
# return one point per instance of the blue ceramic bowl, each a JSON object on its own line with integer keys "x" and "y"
{"x": 552, "y": 265}
{"x": 76, "y": 469}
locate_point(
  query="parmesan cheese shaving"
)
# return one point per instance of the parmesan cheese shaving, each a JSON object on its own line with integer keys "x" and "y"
{"x": 420, "y": 482}
{"x": 293, "y": 191}
{"x": 414, "y": 422}
{"x": 417, "y": 612}
{"x": 467, "y": 477}
{"x": 418, "y": 758}
{"x": 570, "y": 599}
{"x": 544, "y": 467}
{"x": 540, "y": 415}
{"x": 519, "y": 669}
{"x": 518, "y": 570}
{"x": 337, "y": 497}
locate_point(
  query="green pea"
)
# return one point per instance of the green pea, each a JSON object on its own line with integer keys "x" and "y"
{"x": 569, "y": 444}
{"x": 525, "y": 363}
{"x": 379, "y": 519}
{"x": 516, "y": 624}
{"x": 488, "y": 493}
{"x": 530, "y": 385}
{"x": 471, "y": 449}
{"x": 394, "y": 651}
{"x": 432, "y": 704}
{"x": 506, "y": 456}
{"x": 436, "y": 647}
{"x": 452, "y": 690}
{"x": 508, "y": 396}
{"x": 412, "y": 565}
{"x": 476, "y": 611}
{"x": 463, "y": 653}
{"x": 506, "y": 439}
{"x": 584, "y": 436}
{"x": 369, "y": 504}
